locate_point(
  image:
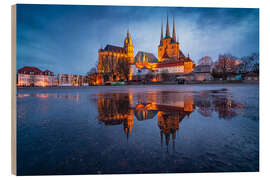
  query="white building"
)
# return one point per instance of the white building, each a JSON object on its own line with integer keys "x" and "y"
{"x": 32, "y": 76}
{"x": 65, "y": 79}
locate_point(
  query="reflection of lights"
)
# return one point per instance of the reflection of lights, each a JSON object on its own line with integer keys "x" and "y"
{"x": 139, "y": 106}
{"x": 23, "y": 95}
{"x": 42, "y": 95}
{"x": 229, "y": 103}
{"x": 154, "y": 79}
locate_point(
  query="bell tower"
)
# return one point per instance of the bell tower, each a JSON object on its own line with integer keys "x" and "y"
{"x": 168, "y": 47}
{"x": 129, "y": 47}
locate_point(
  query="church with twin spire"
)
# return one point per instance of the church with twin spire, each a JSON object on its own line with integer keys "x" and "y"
{"x": 170, "y": 59}
{"x": 169, "y": 47}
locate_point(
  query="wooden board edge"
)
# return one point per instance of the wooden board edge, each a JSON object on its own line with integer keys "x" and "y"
{"x": 13, "y": 91}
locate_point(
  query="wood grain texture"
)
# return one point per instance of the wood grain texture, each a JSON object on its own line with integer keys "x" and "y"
{"x": 13, "y": 93}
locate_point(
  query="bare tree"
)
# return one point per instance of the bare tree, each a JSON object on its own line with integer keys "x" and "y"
{"x": 226, "y": 64}
{"x": 250, "y": 63}
{"x": 206, "y": 60}
{"x": 123, "y": 68}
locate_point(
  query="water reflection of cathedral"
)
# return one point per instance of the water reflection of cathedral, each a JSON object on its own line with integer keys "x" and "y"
{"x": 169, "y": 107}
{"x": 170, "y": 112}
{"x": 116, "y": 109}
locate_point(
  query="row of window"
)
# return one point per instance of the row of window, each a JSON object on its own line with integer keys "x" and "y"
{"x": 37, "y": 73}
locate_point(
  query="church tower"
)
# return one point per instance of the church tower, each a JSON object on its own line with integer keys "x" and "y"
{"x": 129, "y": 47}
{"x": 174, "y": 33}
{"x": 161, "y": 36}
{"x": 168, "y": 47}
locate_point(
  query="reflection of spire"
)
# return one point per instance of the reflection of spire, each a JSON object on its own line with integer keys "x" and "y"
{"x": 128, "y": 125}
{"x": 167, "y": 27}
{"x": 127, "y": 131}
{"x": 173, "y": 145}
{"x": 167, "y": 141}
{"x": 127, "y": 135}
{"x": 173, "y": 137}
{"x": 161, "y": 139}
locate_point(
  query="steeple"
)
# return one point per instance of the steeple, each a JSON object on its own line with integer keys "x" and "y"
{"x": 174, "y": 34}
{"x": 127, "y": 33}
{"x": 161, "y": 36}
{"x": 167, "y": 27}
{"x": 129, "y": 47}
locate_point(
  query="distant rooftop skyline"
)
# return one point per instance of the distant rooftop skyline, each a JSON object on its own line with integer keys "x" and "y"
{"x": 66, "y": 38}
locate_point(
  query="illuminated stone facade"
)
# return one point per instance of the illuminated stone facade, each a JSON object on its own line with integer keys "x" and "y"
{"x": 110, "y": 56}
{"x": 170, "y": 59}
{"x": 72, "y": 80}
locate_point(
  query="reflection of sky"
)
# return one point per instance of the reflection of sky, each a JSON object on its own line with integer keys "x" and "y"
{"x": 66, "y": 38}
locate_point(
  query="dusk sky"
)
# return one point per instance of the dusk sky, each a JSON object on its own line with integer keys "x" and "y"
{"x": 66, "y": 38}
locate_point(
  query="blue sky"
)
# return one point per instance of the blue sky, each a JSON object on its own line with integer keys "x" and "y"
{"x": 66, "y": 38}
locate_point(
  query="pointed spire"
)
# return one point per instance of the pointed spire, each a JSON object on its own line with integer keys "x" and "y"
{"x": 173, "y": 146}
{"x": 161, "y": 36}
{"x": 167, "y": 27}
{"x": 174, "y": 34}
{"x": 127, "y": 33}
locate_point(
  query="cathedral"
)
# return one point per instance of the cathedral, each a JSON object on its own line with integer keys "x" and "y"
{"x": 169, "y": 47}
{"x": 110, "y": 57}
{"x": 169, "y": 50}
{"x": 170, "y": 59}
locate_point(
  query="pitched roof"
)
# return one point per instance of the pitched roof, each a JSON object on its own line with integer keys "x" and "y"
{"x": 47, "y": 72}
{"x": 28, "y": 69}
{"x": 165, "y": 55}
{"x": 151, "y": 58}
{"x": 34, "y": 70}
{"x": 181, "y": 54}
{"x": 170, "y": 64}
{"x": 114, "y": 48}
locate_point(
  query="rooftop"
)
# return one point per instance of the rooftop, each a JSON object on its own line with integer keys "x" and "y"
{"x": 114, "y": 49}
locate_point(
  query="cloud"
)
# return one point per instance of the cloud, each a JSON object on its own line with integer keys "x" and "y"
{"x": 66, "y": 39}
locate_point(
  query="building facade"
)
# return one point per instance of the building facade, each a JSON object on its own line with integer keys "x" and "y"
{"x": 170, "y": 56}
{"x": 170, "y": 59}
{"x": 72, "y": 80}
{"x": 33, "y": 76}
{"x": 113, "y": 60}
